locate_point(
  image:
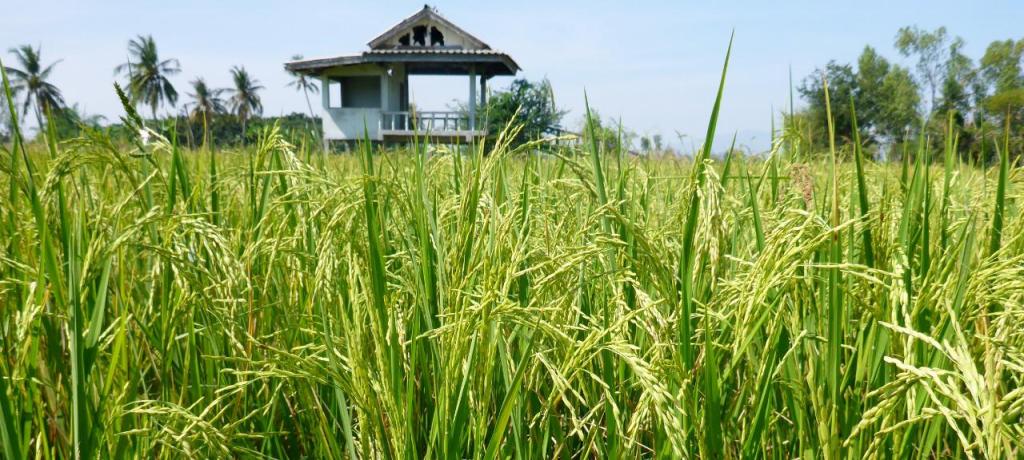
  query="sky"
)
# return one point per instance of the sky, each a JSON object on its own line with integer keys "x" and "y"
{"x": 653, "y": 65}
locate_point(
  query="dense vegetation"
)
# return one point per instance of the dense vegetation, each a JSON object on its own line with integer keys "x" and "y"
{"x": 896, "y": 104}
{"x": 273, "y": 301}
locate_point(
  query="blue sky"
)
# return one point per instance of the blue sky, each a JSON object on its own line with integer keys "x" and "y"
{"x": 654, "y": 64}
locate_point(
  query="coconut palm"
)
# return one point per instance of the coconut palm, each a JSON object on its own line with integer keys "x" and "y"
{"x": 147, "y": 75}
{"x": 31, "y": 78}
{"x": 245, "y": 101}
{"x": 304, "y": 83}
{"x": 5, "y": 117}
{"x": 206, "y": 101}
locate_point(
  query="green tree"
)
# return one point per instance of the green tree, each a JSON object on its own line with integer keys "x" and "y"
{"x": 69, "y": 121}
{"x": 871, "y": 91}
{"x": 610, "y": 135}
{"x": 1008, "y": 101}
{"x": 885, "y": 95}
{"x": 960, "y": 80}
{"x": 842, "y": 86}
{"x": 929, "y": 48}
{"x": 31, "y": 79}
{"x": 526, "y": 103}
{"x": 1003, "y": 83}
{"x": 206, "y": 101}
{"x": 147, "y": 74}
{"x": 305, "y": 84}
{"x": 245, "y": 99}
{"x": 5, "y": 117}
{"x": 900, "y": 100}
{"x": 1001, "y": 65}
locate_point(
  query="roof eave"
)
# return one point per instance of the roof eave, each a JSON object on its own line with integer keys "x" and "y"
{"x": 316, "y": 66}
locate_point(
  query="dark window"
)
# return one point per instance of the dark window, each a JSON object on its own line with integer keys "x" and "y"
{"x": 360, "y": 92}
{"x": 419, "y": 35}
{"x": 436, "y": 37}
{"x": 404, "y": 40}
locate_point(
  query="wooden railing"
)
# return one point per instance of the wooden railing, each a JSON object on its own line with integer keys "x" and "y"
{"x": 429, "y": 122}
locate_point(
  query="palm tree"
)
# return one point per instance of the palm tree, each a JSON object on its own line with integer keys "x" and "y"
{"x": 206, "y": 101}
{"x": 244, "y": 98}
{"x": 148, "y": 75}
{"x": 31, "y": 78}
{"x": 5, "y": 117}
{"x": 304, "y": 83}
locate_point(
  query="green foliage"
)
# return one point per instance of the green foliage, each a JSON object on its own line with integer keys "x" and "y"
{"x": 960, "y": 83}
{"x": 526, "y": 104}
{"x": 147, "y": 75}
{"x": 225, "y": 130}
{"x": 206, "y": 102}
{"x": 31, "y": 81}
{"x": 245, "y": 99}
{"x": 608, "y": 135}
{"x": 405, "y": 305}
{"x": 980, "y": 98}
{"x": 886, "y": 95}
{"x": 305, "y": 84}
{"x": 1001, "y": 65}
{"x": 69, "y": 121}
{"x": 5, "y": 119}
{"x": 842, "y": 85}
{"x": 928, "y": 46}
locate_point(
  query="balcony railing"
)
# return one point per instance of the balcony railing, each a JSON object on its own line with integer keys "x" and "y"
{"x": 435, "y": 122}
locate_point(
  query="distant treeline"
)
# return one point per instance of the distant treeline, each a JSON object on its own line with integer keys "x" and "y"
{"x": 219, "y": 130}
{"x": 224, "y": 130}
{"x": 896, "y": 107}
{"x": 232, "y": 115}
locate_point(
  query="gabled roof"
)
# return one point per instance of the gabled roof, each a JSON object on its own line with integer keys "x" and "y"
{"x": 431, "y": 15}
{"x": 469, "y": 54}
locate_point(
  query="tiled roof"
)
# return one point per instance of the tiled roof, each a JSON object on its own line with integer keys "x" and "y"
{"x": 435, "y": 54}
{"x": 436, "y": 50}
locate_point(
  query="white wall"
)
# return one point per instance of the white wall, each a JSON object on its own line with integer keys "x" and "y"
{"x": 349, "y": 124}
{"x": 341, "y": 123}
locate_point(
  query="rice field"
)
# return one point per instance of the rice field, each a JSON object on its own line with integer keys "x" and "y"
{"x": 496, "y": 302}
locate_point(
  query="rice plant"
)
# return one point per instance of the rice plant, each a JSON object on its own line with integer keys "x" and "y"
{"x": 498, "y": 302}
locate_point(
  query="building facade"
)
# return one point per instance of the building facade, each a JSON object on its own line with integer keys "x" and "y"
{"x": 367, "y": 94}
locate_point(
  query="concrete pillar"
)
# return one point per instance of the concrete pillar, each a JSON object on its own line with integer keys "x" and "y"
{"x": 472, "y": 99}
{"x": 385, "y": 91}
{"x": 483, "y": 99}
{"x": 483, "y": 91}
{"x": 325, "y": 102}
{"x": 325, "y": 93}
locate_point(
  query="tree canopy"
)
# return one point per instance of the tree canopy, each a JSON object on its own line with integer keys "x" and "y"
{"x": 148, "y": 75}
{"x": 885, "y": 96}
{"x": 525, "y": 103}
{"x": 32, "y": 80}
{"x": 206, "y": 101}
{"x": 245, "y": 99}
{"x": 893, "y": 101}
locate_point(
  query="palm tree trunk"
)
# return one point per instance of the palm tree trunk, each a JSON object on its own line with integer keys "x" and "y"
{"x": 310, "y": 106}
{"x": 39, "y": 116}
{"x": 311, "y": 115}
